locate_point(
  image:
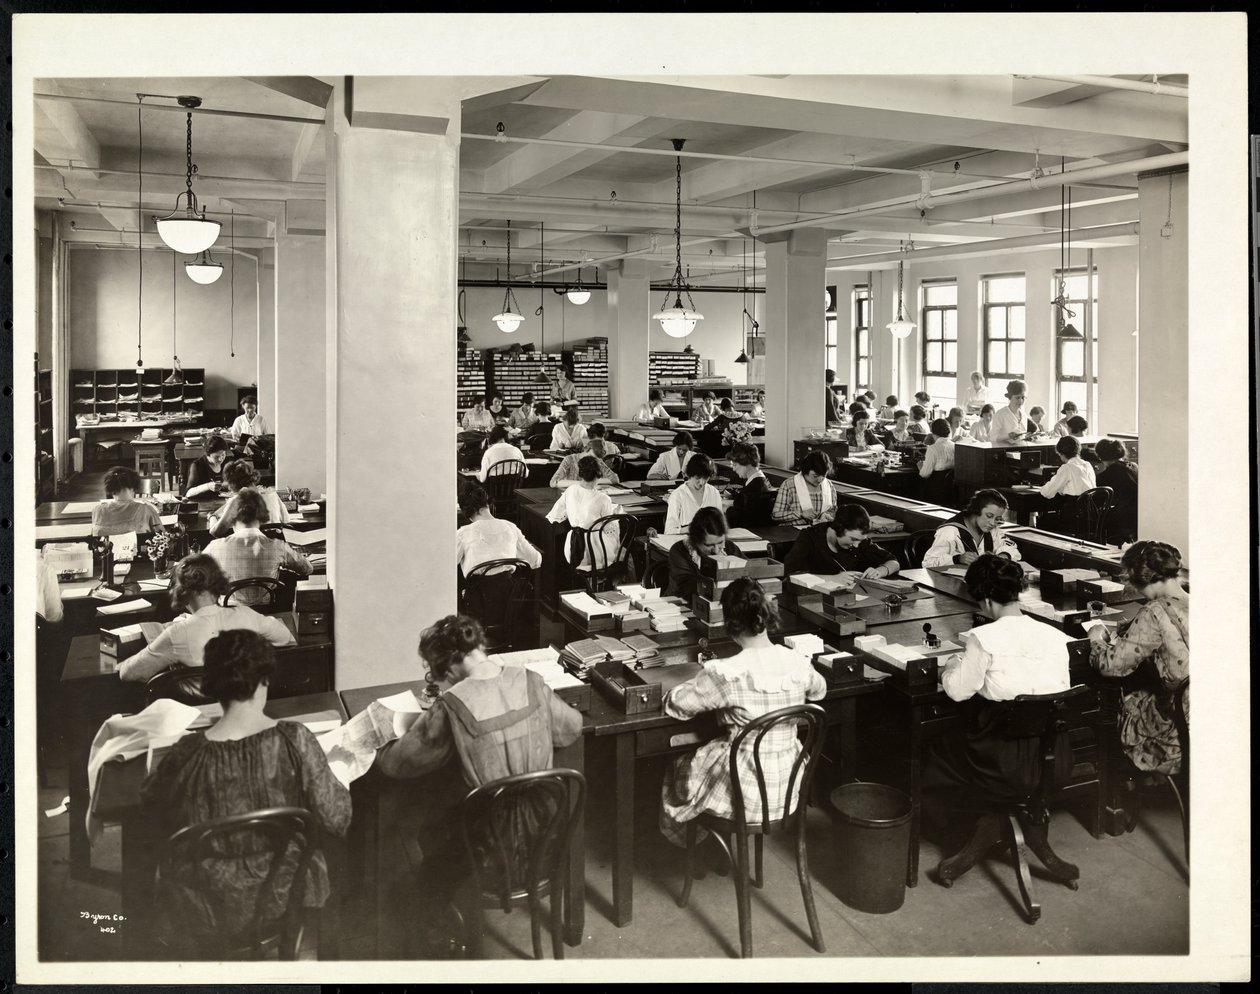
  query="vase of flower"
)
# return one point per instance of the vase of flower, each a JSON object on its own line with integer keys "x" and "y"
{"x": 157, "y": 548}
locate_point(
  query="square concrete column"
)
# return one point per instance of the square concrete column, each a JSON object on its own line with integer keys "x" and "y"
{"x": 629, "y": 325}
{"x": 300, "y": 306}
{"x": 264, "y": 266}
{"x": 1164, "y": 360}
{"x": 795, "y": 327}
{"x": 1117, "y": 339}
{"x": 392, "y": 162}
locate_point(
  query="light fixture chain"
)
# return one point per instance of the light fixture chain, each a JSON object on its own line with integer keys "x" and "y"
{"x": 188, "y": 150}
{"x": 140, "y": 234}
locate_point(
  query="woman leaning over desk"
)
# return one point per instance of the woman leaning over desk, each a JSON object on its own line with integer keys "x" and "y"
{"x": 245, "y": 762}
{"x": 1157, "y": 640}
{"x": 841, "y": 546}
{"x": 762, "y": 677}
{"x": 204, "y": 473}
{"x": 975, "y": 530}
{"x": 197, "y": 583}
{"x": 566, "y": 473}
{"x": 706, "y": 536}
{"x": 239, "y": 474}
{"x": 121, "y": 513}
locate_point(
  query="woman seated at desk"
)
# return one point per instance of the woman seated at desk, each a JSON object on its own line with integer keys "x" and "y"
{"x": 247, "y": 552}
{"x": 1157, "y": 640}
{"x": 957, "y": 432}
{"x": 670, "y": 464}
{"x": 725, "y": 416}
{"x": 570, "y": 434}
{"x": 974, "y": 531}
{"x": 239, "y": 474}
{"x": 938, "y": 464}
{"x": 753, "y": 504}
{"x": 1036, "y": 421}
{"x": 758, "y": 412}
{"x": 706, "y": 536}
{"x": 980, "y": 430}
{"x": 582, "y": 504}
{"x": 121, "y": 513}
{"x": 597, "y": 441}
{"x": 566, "y": 473}
{"x": 538, "y": 435}
{"x": 841, "y": 546}
{"x": 654, "y": 408}
{"x": 762, "y": 677}
{"x": 523, "y": 417}
{"x": 706, "y": 410}
{"x": 497, "y": 410}
{"x": 490, "y": 722}
{"x": 808, "y": 498}
{"x": 250, "y": 423}
{"x": 477, "y": 418}
{"x": 498, "y": 449}
{"x": 486, "y": 537}
{"x": 196, "y": 586}
{"x": 204, "y": 473}
{"x": 245, "y": 762}
{"x": 691, "y": 495}
{"x": 1068, "y": 412}
{"x": 918, "y": 420}
{"x": 899, "y": 434}
{"x": 1074, "y": 476}
{"x": 1115, "y": 471}
{"x": 859, "y": 433}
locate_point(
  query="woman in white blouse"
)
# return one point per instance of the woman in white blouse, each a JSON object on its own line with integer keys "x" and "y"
{"x": 978, "y": 394}
{"x": 486, "y": 537}
{"x": 582, "y": 504}
{"x": 239, "y": 474}
{"x": 569, "y": 434}
{"x": 974, "y": 531}
{"x": 980, "y": 430}
{"x": 670, "y": 464}
{"x": 498, "y": 449}
{"x": 654, "y": 408}
{"x": 477, "y": 418}
{"x": 692, "y": 495}
{"x": 251, "y": 422}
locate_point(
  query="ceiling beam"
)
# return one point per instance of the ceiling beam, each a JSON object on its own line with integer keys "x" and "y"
{"x": 62, "y": 137}
{"x": 307, "y": 89}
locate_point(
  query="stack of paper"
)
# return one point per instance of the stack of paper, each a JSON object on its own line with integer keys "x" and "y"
{"x": 666, "y": 542}
{"x": 642, "y": 646}
{"x": 820, "y": 584}
{"x": 885, "y": 525}
{"x": 617, "y": 602}
{"x": 586, "y": 606}
{"x": 807, "y": 644}
{"x": 665, "y": 623}
{"x": 351, "y": 748}
{"x": 544, "y": 661}
{"x": 126, "y": 607}
{"x": 752, "y": 546}
{"x": 581, "y": 655}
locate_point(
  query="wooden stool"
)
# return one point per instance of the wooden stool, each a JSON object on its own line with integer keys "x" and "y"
{"x": 150, "y": 462}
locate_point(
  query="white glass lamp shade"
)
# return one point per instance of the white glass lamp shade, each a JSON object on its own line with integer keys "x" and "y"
{"x": 578, "y": 296}
{"x": 203, "y": 271}
{"x": 901, "y": 328}
{"x": 187, "y": 233}
{"x": 678, "y": 322}
{"x": 508, "y": 321}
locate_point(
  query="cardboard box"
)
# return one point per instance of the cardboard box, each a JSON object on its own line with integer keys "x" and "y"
{"x": 772, "y": 585}
{"x": 846, "y": 623}
{"x": 122, "y": 643}
{"x": 708, "y": 630}
{"x": 840, "y": 599}
{"x": 711, "y": 588}
{"x": 633, "y": 621}
{"x": 764, "y": 568}
{"x": 1107, "y": 591}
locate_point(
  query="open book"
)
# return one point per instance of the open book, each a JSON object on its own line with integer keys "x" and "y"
{"x": 351, "y": 748}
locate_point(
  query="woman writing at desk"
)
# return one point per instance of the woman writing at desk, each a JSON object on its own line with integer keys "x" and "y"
{"x": 654, "y": 408}
{"x": 251, "y": 422}
{"x": 569, "y": 434}
{"x": 566, "y": 473}
{"x": 706, "y": 536}
{"x": 477, "y": 418}
{"x": 1157, "y": 640}
{"x": 840, "y": 547}
{"x": 486, "y": 537}
{"x": 761, "y": 678}
{"x": 121, "y": 513}
{"x": 691, "y": 495}
{"x": 670, "y": 464}
{"x": 204, "y": 473}
{"x": 196, "y": 586}
{"x": 980, "y": 430}
{"x": 975, "y": 530}
{"x": 245, "y": 762}
{"x": 239, "y": 474}
{"x": 582, "y": 504}
{"x": 498, "y": 449}
{"x": 808, "y": 498}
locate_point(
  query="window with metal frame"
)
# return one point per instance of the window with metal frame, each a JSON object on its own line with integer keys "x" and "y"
{"x": 861, "y": 338}
{"x": 1003, "y": 300}
{"x": 833, "y": 330}
{"x": 939, "y": 321}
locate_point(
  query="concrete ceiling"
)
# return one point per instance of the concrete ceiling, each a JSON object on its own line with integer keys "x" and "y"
{"x": 801, "y": 150}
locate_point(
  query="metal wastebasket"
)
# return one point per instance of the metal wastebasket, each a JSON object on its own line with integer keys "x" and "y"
{"x": 871, "y": 828}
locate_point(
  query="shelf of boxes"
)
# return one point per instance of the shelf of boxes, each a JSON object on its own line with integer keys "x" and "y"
{"x": 511, "y": 374}
{"x": 141, "y": 394}
{"x": 470, "y": 379}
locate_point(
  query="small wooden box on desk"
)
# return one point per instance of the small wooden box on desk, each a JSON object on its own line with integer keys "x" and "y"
{"x": 635, "y": 691}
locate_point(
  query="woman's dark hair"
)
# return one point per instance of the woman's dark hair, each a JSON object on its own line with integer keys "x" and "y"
{"x": 856, "y": 406}
{"x": 684, "y": 438}
{"x": 996, "y": 579}
{"x": 595, "y": 446}
{"x": 1067, "y": 446}
{"x": 492, "y": 397}
{"x": 216, "y": 443}
{"x": 654, "y": 395}
{"x": 448, "y": 641}
{"x": 708, "y": 521}
{"x": 745, "y": 454}
{"x": 121, "y": 478}
{"x": 1016, "y": 387}
{"x": 234, "y": 663}
{"x": 987, "y": 409}
{"x": 700, "y": 465}
{"x": 816, "y": 462}
{"x": 499, "y": 433}
{"x": 899, "y": 413}
{"x": 923, "y": 397}
{"x": 861, "y": 414}
{"x": 527, "y": 397}
{"x": 917, "y": 413}
{"x": 473, "y": 499}
{"x": 196, "y": 574}
{"x": 727, "y": 404}
{"x": 572, "y": 409}
{"x": 597, "y": 430}
{"x": 850, "y": 517}
{"x": 891, "y": 400}
{"x": 955, "y": 410}
{"x": 249, "y": 399}
{"x": 251, "y": 508}
{"x": 940, "y": 428}
{"x": 1068, "y": 408}
{"x": 1076, "y": 424}
{"x": 830, "y": 375}
{"x": 1149, "y": 562}
{"x": 747, "y": 609}
{"x": 1110, "y": 449}
{"x": 982, "y": 499}
{"x": 588, "y": 468}
{"x": 239, "y": 474}
{"x": 542, "y": 409}
{"x": 710, "y": 395}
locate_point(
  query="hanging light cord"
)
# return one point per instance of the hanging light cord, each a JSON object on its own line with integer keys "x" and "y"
{"x": 140, "y": 236}
{"x": 174, "y": 329}
{"x": 509, "y": 298}
{"x": 232, "y": 289}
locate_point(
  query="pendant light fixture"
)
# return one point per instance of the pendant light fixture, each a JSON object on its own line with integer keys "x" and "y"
{"x": 510, "y": 318}
{"x": 232, "y": 286}
{"x": 742, "y": 358}
{"x": 188, "y": 231}
{"x": 1064, "y": 328}
{"x": 578, "y": 294}
{"x": 177, "y": 374}
{"x": 900, "y": 326}
{"x": 678, "y": 321}
{"x": 204, "y": 270}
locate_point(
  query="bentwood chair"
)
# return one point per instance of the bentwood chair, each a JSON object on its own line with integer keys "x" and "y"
{"x": 772, "y": 733}
{"x": 273, "y": 920}
{"x": 499, "y": 593}
{"x": 1092, "y": 508}
{"x": 607, "y": 543}
{"x": 1022, "y": 817}
{"x": 916, "y": 547}
{"x": 264, "y": 594}
{"x": 517, "y": 833}
{"x": 179, "y": 683}
{"x": 502, "y": 479}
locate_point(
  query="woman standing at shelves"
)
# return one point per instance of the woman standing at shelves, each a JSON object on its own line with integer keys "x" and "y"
{"x": 563, "y": 389}
{"x": 121, "y": 513}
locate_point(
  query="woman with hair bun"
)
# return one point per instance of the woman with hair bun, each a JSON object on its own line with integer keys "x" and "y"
{"x": 197, "y": 583}
{"x": 1158, "y": 640}
{"x": 244, "y": 762}
{"x": 1114, "y": 470}
{"x": 239, "y": 475}
{"x": 762, "y": 677}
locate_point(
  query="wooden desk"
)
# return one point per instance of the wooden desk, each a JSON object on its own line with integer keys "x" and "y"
{"x": 91, "y": 692}
{"x": 376, "y": 801}
{"x": 118, "y": 800}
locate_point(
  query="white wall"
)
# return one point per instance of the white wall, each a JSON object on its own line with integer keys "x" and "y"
{"x": 102, "y": 307}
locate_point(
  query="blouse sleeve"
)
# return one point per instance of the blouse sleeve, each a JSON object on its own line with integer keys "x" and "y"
{"x": 155, "y": 657}
{"x": 559, "y": 510}
{"x": 295, "y": 561}
{"x": 816, "y": 689}
{"x": 658, "y": 470}
{"x": 566, "y": 721}
{"x": 424, "y": 747}
{"x": 672, "y": 527}
{"x": 274, "y": 630}
{"x": 561, "y": 473}
{"x": 942, "y": 551}
{"x": 1005, "y": 546}
{"x": 1140, "y": 642}
{"x": 525, "y": 550}
{"x": 703, "y": 692}
{"x": 785, "y": 507}
{"x": 153, "y": 519}
{"x": 326, "y": 797}
{"x": 221, "y": 521}
{"x": 872, "y": 554}
{"x": 1057, "y": 482}
{"x": 963, "y": 679}
{"x": 682, "y": 573}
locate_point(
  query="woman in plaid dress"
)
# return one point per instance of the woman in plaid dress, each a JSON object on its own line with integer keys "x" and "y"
{"x": 761, "y": 678}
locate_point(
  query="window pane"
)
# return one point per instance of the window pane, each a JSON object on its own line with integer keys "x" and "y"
{"x": 951, "y": 358}
{"x": 995, "y": 318}
{"x": 951, "y": 324}
{"x": 942, "y": 389}
{"x": 831, "y": 335}
{"x": 1095, "y": 357}
{"x": 937, "y": 294}
{"x": 1015, "y": 365}
{"x": 863, "y": 346}
{"x": 1071, "y": 358}
{"x": 1016, "y": 321}
{"x": 863, "y": 379}
{"x": 997, "y": 359}
{"x": 1076, "y": 287}
{"x": 1075, "y": 392}
{"x": 1005, "y": 288}
{"x": 831, "y": 357}
{"x": 932, "y": 324}
{"x": 933, "y": 357}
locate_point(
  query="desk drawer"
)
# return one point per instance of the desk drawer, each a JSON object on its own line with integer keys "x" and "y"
{"x": 680, "y": 737}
